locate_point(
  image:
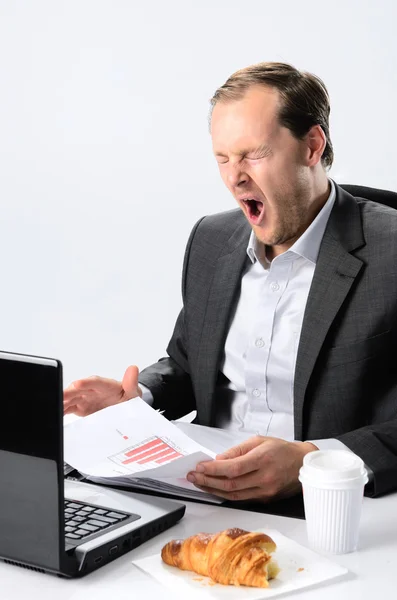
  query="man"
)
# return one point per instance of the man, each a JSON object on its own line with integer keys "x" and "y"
{"x": 288, "y": 327}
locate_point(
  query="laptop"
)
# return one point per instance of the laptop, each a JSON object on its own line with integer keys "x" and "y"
{"x": 48, "y": 523}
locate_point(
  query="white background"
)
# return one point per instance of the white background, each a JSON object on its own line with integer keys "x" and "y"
{"x": 105, "y": 155}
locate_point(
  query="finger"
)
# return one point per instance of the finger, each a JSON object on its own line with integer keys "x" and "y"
{"x": 224, "y": 484}
{"x": 80, "y": 410}
{"x": 70, "y": 392}
{"x": 233, "y": 467}
{"x": 249, "y": 494}
{"x": 242, "y": 448}
{"x": 130, "y": 381}
{"x": 69, "y": 400}
{"x": 73, "y": 400}
{"x": 92, "y": 383}
{"x": 69, "y": 397}
{"x": 83, "y": 411}
{"x": 75, "y": 390}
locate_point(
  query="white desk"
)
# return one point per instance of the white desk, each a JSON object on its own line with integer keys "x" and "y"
{"x": 373, "y": 569}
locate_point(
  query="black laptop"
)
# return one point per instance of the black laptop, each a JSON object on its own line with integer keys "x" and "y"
{"x": 49, "y": 524}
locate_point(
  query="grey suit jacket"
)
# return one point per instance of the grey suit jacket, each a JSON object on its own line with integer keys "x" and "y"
{"x": 345, "y": 380}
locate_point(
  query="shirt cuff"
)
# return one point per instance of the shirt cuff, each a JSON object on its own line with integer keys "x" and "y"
{"x": 334, "y": 444}
{"x": 147, "y": 395}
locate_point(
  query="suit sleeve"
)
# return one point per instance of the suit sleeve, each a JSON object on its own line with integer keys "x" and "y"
{"x": 377, "y": 446}
{"x": 376, "y": 442}
{"x": 169, "y": 379}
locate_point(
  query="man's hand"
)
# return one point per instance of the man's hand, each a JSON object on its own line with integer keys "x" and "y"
{"x": 86, "y": 396}
{"x": 260, "y": 468}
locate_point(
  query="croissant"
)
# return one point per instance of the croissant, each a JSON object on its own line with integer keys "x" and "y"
{"x": 231, "y": 557}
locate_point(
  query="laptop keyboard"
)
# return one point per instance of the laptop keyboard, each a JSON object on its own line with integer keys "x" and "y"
{"x": 82, "y": 520}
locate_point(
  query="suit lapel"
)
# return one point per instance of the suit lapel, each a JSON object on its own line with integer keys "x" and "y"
{"x": 334, "y": 275}
{"x": 224, "y": 291}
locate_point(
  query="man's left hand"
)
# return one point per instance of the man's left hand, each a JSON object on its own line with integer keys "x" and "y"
{"x": 260, "y": 468}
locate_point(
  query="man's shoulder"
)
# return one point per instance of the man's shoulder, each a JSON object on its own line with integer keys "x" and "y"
{"x": 373, "y": 212}
{"x": 376, "y": 208}
{"x": 219, "y": 233}
{"x": 377, "y": 218}
{"x": 379, "y": 226}
{"x": 220, "y": 227}
{"x": 361, "y": 220}
{"x": 385, "y": 197}
{"x": 229, "y": 219}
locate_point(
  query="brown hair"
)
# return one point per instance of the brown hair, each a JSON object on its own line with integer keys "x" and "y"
{"x": 305, "y": 100}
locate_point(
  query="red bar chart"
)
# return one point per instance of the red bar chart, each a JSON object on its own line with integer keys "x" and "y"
{"x": 154, "y": 449}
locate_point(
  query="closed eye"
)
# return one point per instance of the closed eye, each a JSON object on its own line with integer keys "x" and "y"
{"x": 258, "y": 156}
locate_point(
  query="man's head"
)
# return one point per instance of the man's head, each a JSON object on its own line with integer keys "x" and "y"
{"x": 270, "y": 134}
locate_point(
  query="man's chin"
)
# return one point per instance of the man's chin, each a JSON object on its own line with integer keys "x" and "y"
{"x": 264, "y": 236}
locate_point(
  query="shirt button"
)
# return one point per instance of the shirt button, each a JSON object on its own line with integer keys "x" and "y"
{"x": 256, "y": 393}
{"x": 274, "y": 286}
{"x": 259, "y": 343}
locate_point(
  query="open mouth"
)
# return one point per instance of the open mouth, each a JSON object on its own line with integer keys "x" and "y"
{"x": 254, "y": 209}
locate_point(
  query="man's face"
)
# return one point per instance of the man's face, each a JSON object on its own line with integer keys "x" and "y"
{"x": 263, "y": 166}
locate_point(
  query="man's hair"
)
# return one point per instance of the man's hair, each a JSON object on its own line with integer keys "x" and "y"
{"x": 304, "y": 98}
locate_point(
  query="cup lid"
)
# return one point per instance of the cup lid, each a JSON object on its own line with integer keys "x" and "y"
{"x": 333, "y": 465}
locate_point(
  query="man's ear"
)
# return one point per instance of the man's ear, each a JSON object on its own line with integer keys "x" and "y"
{"x": 315, "y": 144}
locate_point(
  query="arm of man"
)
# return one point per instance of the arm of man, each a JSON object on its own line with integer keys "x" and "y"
{"x": 169, "y": 380}
{"x": 377, "y": 446}
{"x": 264, "y": 468}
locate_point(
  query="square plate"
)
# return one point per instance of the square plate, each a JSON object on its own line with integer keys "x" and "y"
{"x": 300, "y": 568}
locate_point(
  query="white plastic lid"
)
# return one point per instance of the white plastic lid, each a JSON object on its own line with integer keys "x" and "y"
{"x": 332, "y": 466}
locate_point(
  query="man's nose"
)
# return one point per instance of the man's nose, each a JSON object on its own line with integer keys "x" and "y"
{"x": 236, "y": 176}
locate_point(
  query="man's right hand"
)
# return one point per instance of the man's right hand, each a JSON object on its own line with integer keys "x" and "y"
{"x": 86, "y": 396}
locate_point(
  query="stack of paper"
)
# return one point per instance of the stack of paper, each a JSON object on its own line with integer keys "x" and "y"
{"x": 132, "y": 445}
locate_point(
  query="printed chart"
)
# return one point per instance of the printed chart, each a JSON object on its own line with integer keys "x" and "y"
{"x": 154, "y": 450}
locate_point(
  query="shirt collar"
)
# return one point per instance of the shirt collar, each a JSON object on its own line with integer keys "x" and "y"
{"x": 307, "y": 245}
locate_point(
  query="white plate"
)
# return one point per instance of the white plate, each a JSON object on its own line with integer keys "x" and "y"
{"x": 300, "y": 568}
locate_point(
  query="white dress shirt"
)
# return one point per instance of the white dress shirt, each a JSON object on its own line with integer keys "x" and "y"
{"x": 255, "y": 392}
{"x": 261, "y": 346}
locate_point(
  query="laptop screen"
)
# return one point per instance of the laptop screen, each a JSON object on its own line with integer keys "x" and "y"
{"x": 31, "y": 460}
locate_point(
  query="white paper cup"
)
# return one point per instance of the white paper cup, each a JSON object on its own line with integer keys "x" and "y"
{"x": 333, "y": 487}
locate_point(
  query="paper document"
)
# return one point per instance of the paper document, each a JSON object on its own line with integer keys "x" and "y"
{"x": 213, "y": 438}
{"x": 130, "y": 444}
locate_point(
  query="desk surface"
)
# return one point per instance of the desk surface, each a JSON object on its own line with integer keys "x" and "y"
{"x": 372, "y": 569}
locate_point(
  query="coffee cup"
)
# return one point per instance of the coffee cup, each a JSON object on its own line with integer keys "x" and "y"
{"x": 333, "y": 486}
